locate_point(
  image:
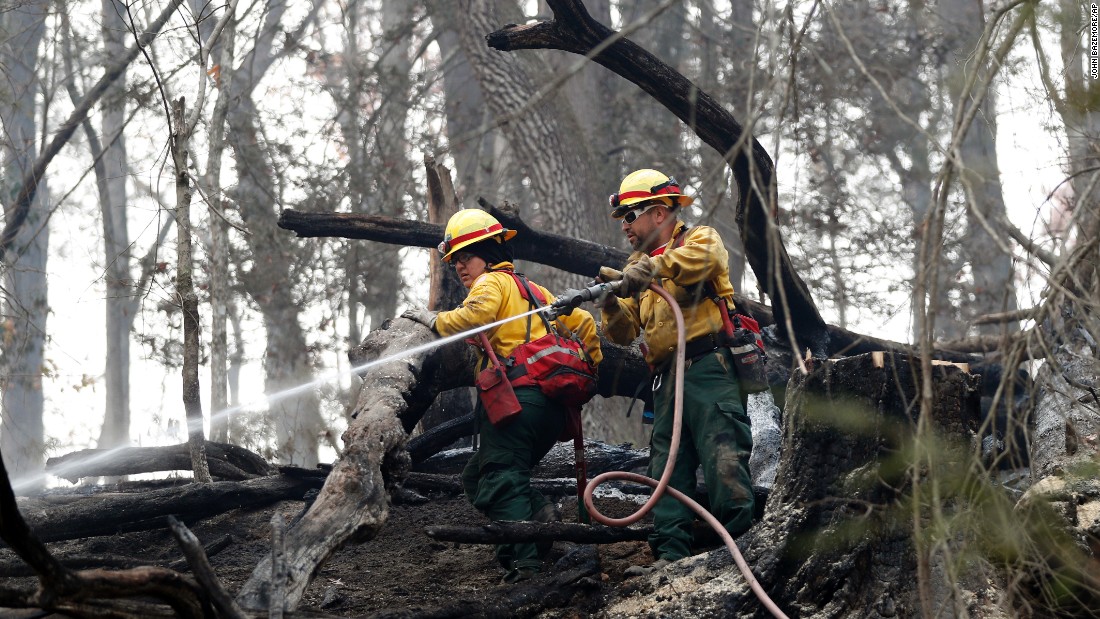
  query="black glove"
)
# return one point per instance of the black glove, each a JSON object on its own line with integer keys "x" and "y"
{"x": 421, "y": 315}
{"x": 636, "y": 277}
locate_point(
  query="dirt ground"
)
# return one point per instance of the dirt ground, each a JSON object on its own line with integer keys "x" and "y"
{"x": 401, "y": 569}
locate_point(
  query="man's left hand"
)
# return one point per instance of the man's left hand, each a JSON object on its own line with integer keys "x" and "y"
{"x": 422, "y": 315}
{"x": 636, "y": 277}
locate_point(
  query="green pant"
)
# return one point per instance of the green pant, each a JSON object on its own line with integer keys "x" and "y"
{"x": 497, "y": 480}
{"x": 715, "y": 434}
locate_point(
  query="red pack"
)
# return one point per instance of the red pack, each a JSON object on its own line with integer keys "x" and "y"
{"x": 558, "y": 365}
{"x": 749, "y": 357}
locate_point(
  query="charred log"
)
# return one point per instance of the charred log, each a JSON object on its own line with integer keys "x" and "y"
{"x": 451, "y": 484}
{"x": 226, "y": 462}
{"x": 119, "y": 513}
{"x": 573, "y": 256}
{"x": 62, "y": 589}
{"x": 558, "y": 463}
{"x": 15, "y": 569}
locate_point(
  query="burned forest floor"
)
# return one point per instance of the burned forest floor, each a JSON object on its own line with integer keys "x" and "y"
{"x": 402, "y": 572}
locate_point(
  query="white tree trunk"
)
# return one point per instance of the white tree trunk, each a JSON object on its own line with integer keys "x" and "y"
{"x": 116, "y": 239}
{"x": 219, "y": 241}
{"x": 297, "y": 418}
{"x": 468, "y": 133}
{"x": 25, "y": 306}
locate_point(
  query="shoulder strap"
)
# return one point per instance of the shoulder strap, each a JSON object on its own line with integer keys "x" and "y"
{"x": 527, "y": 292}
{"x": 534, "y": 298}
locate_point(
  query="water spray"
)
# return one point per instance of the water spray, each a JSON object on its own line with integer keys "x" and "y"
{"x": 19, "y": 485}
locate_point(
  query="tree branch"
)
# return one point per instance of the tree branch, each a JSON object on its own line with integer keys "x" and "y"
{"x": 574, "y": 30}
{"x": 16, "y": 214}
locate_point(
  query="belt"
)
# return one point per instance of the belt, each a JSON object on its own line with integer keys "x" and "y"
{"x": 694, "y": 349}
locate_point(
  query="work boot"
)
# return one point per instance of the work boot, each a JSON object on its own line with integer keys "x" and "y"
{"x": 519, "y": 574}
{"x": 642, "y": 570}
{"x": 548, "y": 513}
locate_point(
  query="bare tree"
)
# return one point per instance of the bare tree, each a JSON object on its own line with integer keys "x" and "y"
{"x": 116, "y": 237}
{"x": 986, "y": 247}
{"x": 24, "y": 305}
{"x": 269, "y": 280}
{"x": 1065, "y": 411}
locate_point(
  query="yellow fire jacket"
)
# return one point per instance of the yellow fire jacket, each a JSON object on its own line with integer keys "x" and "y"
{"x": 682, "y": 271}
{"x": 495, "y": 296}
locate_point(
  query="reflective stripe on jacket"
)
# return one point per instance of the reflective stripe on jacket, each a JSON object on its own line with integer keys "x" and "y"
{"x": 495, "y": 296}
{"x": 682, "y": 271}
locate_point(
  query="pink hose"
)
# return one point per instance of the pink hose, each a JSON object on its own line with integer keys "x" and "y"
{"x": 661, "y": 487}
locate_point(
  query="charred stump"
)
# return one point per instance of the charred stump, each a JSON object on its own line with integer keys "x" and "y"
{"x": 836, "y": 538}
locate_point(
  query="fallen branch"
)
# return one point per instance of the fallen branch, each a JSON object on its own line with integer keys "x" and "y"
{"x": 452, "y": 484}
{"x": 200, "y": 567}
{"x": 19, "y": 569}
{"x": 226, "y": 462}
{"x": 120, "y": 513}
{"x": 573, "y": 256}
{"x": 63, "y": 590}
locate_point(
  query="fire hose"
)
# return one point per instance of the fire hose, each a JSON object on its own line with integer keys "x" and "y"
{"x": 573, "y": 298}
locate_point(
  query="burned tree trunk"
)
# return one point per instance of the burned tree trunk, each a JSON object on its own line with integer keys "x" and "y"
{"x": 445, "y": 290}
{"x": 836, "y": 538}
{"x": 353, "y": 504}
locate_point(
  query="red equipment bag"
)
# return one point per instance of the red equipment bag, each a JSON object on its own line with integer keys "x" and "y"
{"x": 748, "y": 354}
{"x": 495, "y": 391}
{"x": 558, "y": 365}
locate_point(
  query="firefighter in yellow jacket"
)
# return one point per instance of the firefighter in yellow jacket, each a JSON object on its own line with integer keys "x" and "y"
{"x": 497, "y": 479}
{"x": 691, "y": 265}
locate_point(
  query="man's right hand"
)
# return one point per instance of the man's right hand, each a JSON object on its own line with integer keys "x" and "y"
{"x": 608, "y": 301}
{"x": 636, "y": 277}
{"x": 608, "y": 274}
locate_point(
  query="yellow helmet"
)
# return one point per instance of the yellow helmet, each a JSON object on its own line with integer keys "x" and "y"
{"x": 642, "y": 185}
{"x": 469, "y": 226}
